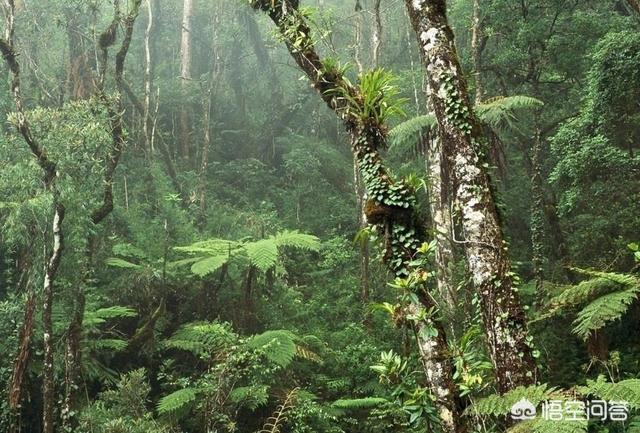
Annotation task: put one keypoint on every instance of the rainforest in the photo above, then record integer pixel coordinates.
(320, 216)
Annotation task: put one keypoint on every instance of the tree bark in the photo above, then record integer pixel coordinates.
(376, 37)
(48, 384)
(24, 352)
(389, 221)
(486, 250)
(537, 214)
(635, 5)
(149, 60)
(185, 75)
(476, 50)
(442, 222)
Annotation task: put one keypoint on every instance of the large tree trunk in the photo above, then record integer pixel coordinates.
(486, 250)
(48, 384)
(80, 83)
(389, 220)
(442, 222)
(185, 75)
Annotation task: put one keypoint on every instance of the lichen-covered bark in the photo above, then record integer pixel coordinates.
(441, 222)
(537, 214)
(391, 203)
(486, 251)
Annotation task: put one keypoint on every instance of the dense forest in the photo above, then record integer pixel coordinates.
(320, 216)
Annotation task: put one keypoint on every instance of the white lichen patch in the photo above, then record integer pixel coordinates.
(429, 39)
(417, 4)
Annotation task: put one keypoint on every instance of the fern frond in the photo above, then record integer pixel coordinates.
(93, 318)
(263, 253)
(359, 403)
(295, 239)
(278, 346)
(201, 338)
(500, 113)
(598, 284)
(407, 134)
(251, 397)
(211, 247)
(541, 425)
(625, 390)
(602, 311)
(498, 405)
(176, 401)
(309, 355)
(208, 265)
(117, 262)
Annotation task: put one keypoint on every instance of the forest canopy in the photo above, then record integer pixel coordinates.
(320, 216)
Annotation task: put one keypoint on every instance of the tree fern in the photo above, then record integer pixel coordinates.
(499, 405)
(201, 338)
(295, 239)
(500, 113)
(263, 254)
(178, 400)
(408, 133)
(251, 397)
(625, 390)
(211, 255)
(608, 296)
(278, 346)
(604, 310)
(208, 265)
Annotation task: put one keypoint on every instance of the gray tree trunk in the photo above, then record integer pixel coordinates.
(486, 250)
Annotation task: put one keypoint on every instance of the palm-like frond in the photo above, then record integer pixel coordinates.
(500, 113)
(406, 134)
(263, 254)
(608, 296)
(625, 390)
(177, 401)
(278, 345)
(201, 338)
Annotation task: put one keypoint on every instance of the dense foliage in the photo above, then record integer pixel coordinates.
(233, 260)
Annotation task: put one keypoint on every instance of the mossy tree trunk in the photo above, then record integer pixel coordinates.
(463, 144)
(391, 203)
